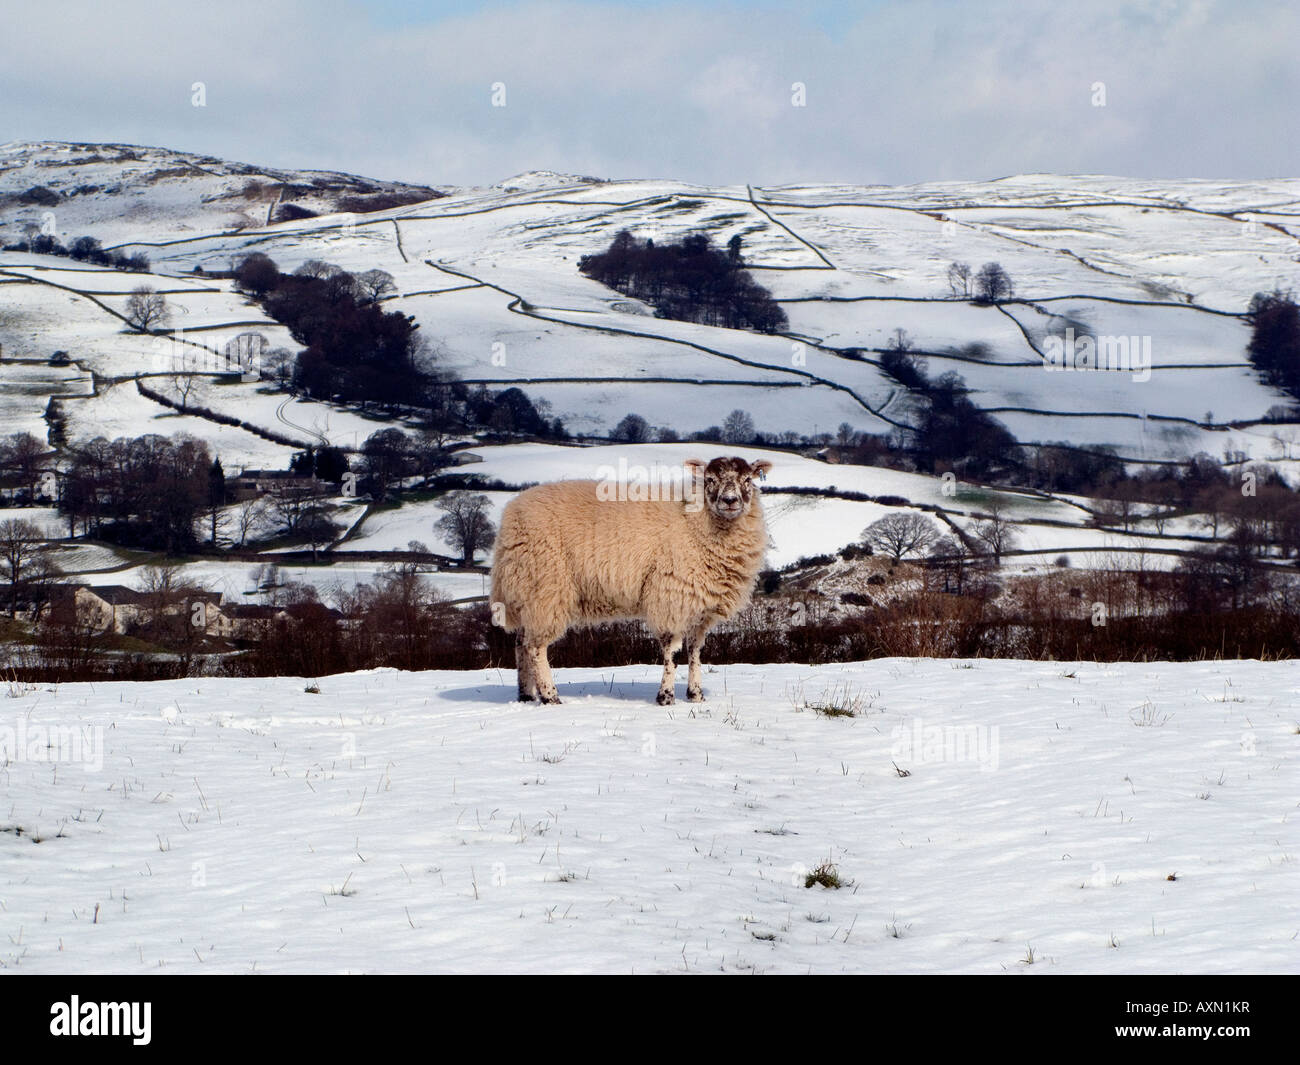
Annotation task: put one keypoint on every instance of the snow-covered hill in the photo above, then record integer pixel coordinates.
(491, 274)
(118, 192)
(1054, 818)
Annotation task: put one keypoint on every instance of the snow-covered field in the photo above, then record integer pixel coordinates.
(491, 276)
(395, 529)
(120, 410)
(1130, 818)
(239, 582)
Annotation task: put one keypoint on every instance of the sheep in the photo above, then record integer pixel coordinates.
(568, 554)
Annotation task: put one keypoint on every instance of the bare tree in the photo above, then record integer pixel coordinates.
(318, 269)
(70, 641)
(992, 283)
(340, 286)
(900, 342)
(959, 277)
(256, 274)
(429, 452)
(184, 379)
(386, 460)
(1106, 513)
(995, 532)
(28, 565)
(277, 365)
(248, 515)
(146, 309)
(1160, 516)
(1213, 505)
(465, 524)
(950, 557)
(899, 535)
(738, 428)
(318, 529)
(25, 458)
(1120, 509)
(268, 578)
(176, 610)
(375, 285)
(633, 429)
(164, 589)
(295, 503)
(160, 583)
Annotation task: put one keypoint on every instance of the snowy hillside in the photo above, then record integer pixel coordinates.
(1054, 818)
(117, 191)
(491, 275)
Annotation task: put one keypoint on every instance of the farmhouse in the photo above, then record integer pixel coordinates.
(119, 609)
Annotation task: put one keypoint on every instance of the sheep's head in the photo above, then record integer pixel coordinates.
(728, 484)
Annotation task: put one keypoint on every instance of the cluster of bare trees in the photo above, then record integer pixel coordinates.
(392, 457)
(146, 491)
(910, 533)
(737, 428)
(24, 469)
(1274, 346)
(692, 281)
(397, 620)
(352, 349)
(990, 284)
(85, 249)
(28, 566)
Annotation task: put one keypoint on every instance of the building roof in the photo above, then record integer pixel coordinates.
(115, 594)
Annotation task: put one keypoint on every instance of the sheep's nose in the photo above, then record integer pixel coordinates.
(729, 499)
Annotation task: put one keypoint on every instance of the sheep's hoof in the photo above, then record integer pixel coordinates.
(694, 695)
(551, 700)
(666, 698)
(524, 697)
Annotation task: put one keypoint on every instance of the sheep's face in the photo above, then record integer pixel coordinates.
(728, 484)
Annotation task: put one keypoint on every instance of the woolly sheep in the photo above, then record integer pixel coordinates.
(568, 554)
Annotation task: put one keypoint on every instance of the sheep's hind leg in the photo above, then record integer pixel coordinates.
(671, 644)
(524, 667)
(540, 670)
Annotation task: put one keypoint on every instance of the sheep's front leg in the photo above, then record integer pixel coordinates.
(694, 672)
(524, 666)
(671, 644)
(540, 671)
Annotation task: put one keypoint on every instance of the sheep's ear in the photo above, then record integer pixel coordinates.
(760, 468)
(695, 467)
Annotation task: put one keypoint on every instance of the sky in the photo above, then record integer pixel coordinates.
(767, 93)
